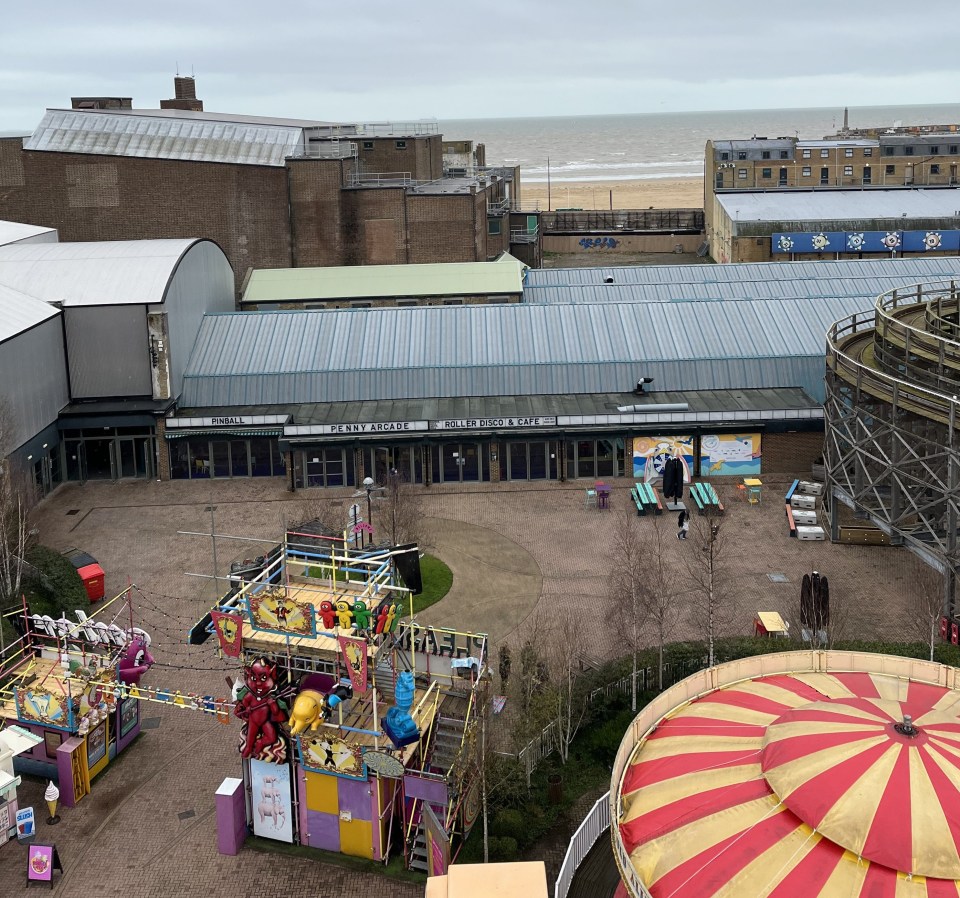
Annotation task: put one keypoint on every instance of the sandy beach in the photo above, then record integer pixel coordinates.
(679, 193)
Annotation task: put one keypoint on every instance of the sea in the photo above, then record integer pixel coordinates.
(648, 146)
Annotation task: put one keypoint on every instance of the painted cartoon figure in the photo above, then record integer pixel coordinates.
(271, 803)
(136, 660)
(259, 708)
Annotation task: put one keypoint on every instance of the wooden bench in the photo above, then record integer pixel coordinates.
(706, 499)
(793, 488)
(791, 523)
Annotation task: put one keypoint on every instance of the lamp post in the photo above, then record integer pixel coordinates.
(368, 486)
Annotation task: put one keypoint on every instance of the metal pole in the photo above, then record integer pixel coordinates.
(549, 207)
(213, 541)
(483, 781)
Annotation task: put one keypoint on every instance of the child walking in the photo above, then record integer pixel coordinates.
(683, 522)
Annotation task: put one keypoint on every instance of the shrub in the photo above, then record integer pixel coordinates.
(510, 822)
(57, 585)
(503, 848)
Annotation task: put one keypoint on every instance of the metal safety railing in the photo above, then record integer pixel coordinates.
(594, 825)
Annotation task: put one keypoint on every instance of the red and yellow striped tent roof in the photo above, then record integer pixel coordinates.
(800, 784)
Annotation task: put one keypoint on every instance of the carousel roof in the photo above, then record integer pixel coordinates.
(812, 784)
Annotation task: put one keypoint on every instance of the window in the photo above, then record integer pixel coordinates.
(401, 144)
(824, 175)
(805, 171)
(453, 302)
(848, 153)
(766, 173)
(848, 169)
(934, 151)
(718, 182)
(890, 169)
(953, 149)
(868, 151)
(493, 224)
(784, 154)
(806, 154)
(934, 169)
(742, 154)
(888, 151)
(368, 144)
(866, 174)
(783, 177)
(908, 150)
(724, 156)
(765, 154)
(406, 302)
(824, 154)
(360, 305)
(741, 173)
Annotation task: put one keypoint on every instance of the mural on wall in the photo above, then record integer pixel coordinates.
(865, 241)
(326, 753)
(276, 612)
(651, 453)
(41, 706)
(270, 796)
(736, 454)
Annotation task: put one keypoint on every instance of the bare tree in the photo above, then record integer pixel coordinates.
(15, 504)
(640, 588)
(568, 702)
(400, 510)
(926, 609)
(707, 579)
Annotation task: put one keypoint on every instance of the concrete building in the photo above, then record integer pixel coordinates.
(867, 160)
(363, 286)
(96, 343)
(272, 192)
(758, 226)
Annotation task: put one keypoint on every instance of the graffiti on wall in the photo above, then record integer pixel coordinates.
(599, 242)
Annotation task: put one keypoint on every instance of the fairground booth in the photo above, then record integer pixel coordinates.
(358, 725)
(73, 685)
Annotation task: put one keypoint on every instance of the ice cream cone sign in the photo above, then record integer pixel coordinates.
(51, 796)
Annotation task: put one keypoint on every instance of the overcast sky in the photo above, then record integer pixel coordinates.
(372, 60)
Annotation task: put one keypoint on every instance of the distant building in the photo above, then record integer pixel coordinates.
(273, 193)
(855, 161)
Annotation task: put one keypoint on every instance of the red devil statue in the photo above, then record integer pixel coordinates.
(259, 709)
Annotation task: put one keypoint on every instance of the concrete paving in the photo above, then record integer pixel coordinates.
(520, 553)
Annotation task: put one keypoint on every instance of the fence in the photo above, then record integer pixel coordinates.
(548, 740)
(577, 221)
(594, 825)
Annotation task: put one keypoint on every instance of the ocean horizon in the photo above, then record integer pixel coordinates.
(659, 145)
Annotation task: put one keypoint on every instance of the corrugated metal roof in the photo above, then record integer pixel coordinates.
(725, 277)
(364, 281)
(118, 272)
(19, 312)
(149, 136)
(841, 205)
(336, 355)
(15, 232)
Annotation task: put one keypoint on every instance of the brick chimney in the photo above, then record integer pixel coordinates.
(185, 95)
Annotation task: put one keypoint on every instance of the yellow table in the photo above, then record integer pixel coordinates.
(753, 489)
(752, 481)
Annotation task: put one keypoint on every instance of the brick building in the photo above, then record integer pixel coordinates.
(868, 161)
(272, 192)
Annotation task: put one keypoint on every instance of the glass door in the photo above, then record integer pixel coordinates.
(470, 462)
(539, 460)
(128, 458)
(220, 456)
(518, 461)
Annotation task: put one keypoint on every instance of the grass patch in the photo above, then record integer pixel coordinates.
(437, 580)
(394, 869)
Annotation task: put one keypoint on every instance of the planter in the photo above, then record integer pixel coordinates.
(555, 788)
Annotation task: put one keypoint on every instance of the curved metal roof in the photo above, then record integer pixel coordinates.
(19, 312)
(356, 354)
(120, 272)
(725, 279)
(194, 138)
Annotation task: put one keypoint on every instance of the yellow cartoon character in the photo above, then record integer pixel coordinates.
(344, 614)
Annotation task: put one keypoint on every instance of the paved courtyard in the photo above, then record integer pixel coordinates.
(519, 552)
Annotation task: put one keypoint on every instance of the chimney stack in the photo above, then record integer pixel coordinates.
(185, 95)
